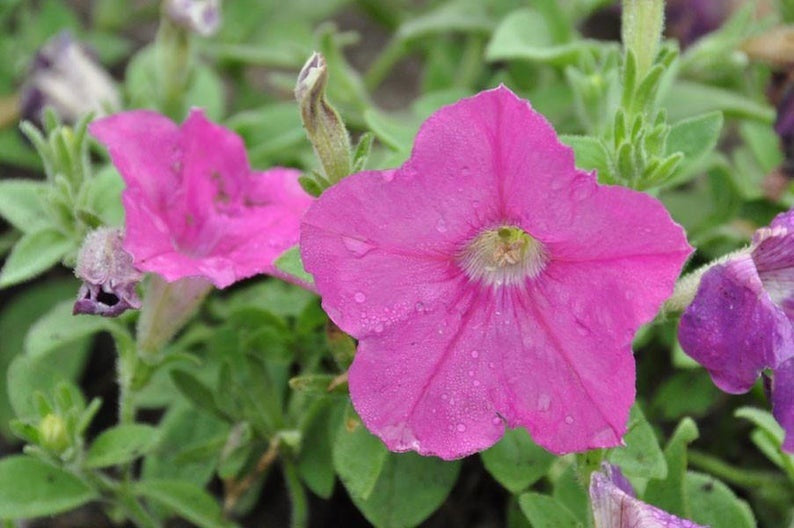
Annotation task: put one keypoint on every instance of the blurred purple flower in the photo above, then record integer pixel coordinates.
(615, 505)
(200, 16)
(109, 278)
(689, 20)
(740, 321)
(67, 78)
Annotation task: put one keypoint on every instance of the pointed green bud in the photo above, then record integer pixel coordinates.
(324, 127)
(53, 435)
(642, 23)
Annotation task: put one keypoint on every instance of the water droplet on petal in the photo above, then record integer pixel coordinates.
(544, 402)
(471, 373)
(441, 226)
(420, 307)
(360, 297)
(388, 175)
(496, 420)
(476, 383)
(356, 246)
(378, 328)
(569, 419)
(475, 354)
(461, 428)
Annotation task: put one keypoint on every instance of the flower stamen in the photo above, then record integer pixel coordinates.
(507, 255)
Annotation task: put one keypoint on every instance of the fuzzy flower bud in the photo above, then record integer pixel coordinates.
(324, 127)
(108, 276)
(67, 78)
(199, 16)
(53, 434)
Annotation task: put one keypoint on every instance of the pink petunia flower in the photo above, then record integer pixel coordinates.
(194, 207)
(615, 505)
(490, 284)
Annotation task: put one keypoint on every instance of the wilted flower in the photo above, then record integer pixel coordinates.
(615, 505)
(740, 321)
(200, 16)
(194, 207)
(65, 77)
(490, 284)
(109, 278)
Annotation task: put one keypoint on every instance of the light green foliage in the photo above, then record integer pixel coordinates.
(516, 462)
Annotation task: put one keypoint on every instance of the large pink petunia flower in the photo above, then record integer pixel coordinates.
(490, 284)
(194, 207)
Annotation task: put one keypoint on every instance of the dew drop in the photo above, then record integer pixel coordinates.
(496, 420)
(544, 402)
(471, 373)
(378, 328)
(569, 419)
(461, 428)
(360, 297)
(357, 247)
(420, 307)
(444, 396)
(475, 354)
(441, 226)
(557, 183)
(582, 190)
(388, 175)
(476, 383)
(491, 365)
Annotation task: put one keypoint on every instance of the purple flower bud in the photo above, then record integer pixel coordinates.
(615, 506)
(200, 16)
(108, 276)
(67, 78)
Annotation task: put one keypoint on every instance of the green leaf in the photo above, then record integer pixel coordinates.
(23, 205)
(185, 499)
(669, 493)
(460, 15)
(763, 420)
(641, 456)
(695, 138)
(32, 488)
(121, 444)
(315, 462)
(197, 392)
(59, 327)
(525, 35)
(358, 457)
(290, 262)
(29, 375)
(516, 462)
(687, 98)
(16, 317)
(33, 254)
(544, 511)
(571, 493)
(590, 155)
(182, 429)
(712, 503)
(409, 488)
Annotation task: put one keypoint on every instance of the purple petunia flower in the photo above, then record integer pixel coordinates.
(194, 207)
(615, 505)
(490, 284)
(740, 321)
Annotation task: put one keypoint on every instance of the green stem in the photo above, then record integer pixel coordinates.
(471, 63)
(300, 508)
(744, 478)
(380, 69)
(174, 67)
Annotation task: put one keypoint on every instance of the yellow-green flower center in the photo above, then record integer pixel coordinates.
(505, 255)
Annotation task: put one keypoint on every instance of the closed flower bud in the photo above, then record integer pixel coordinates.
(108, 276)
(66, 77)
(199, 16)
(324, 127)
(53, 434)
